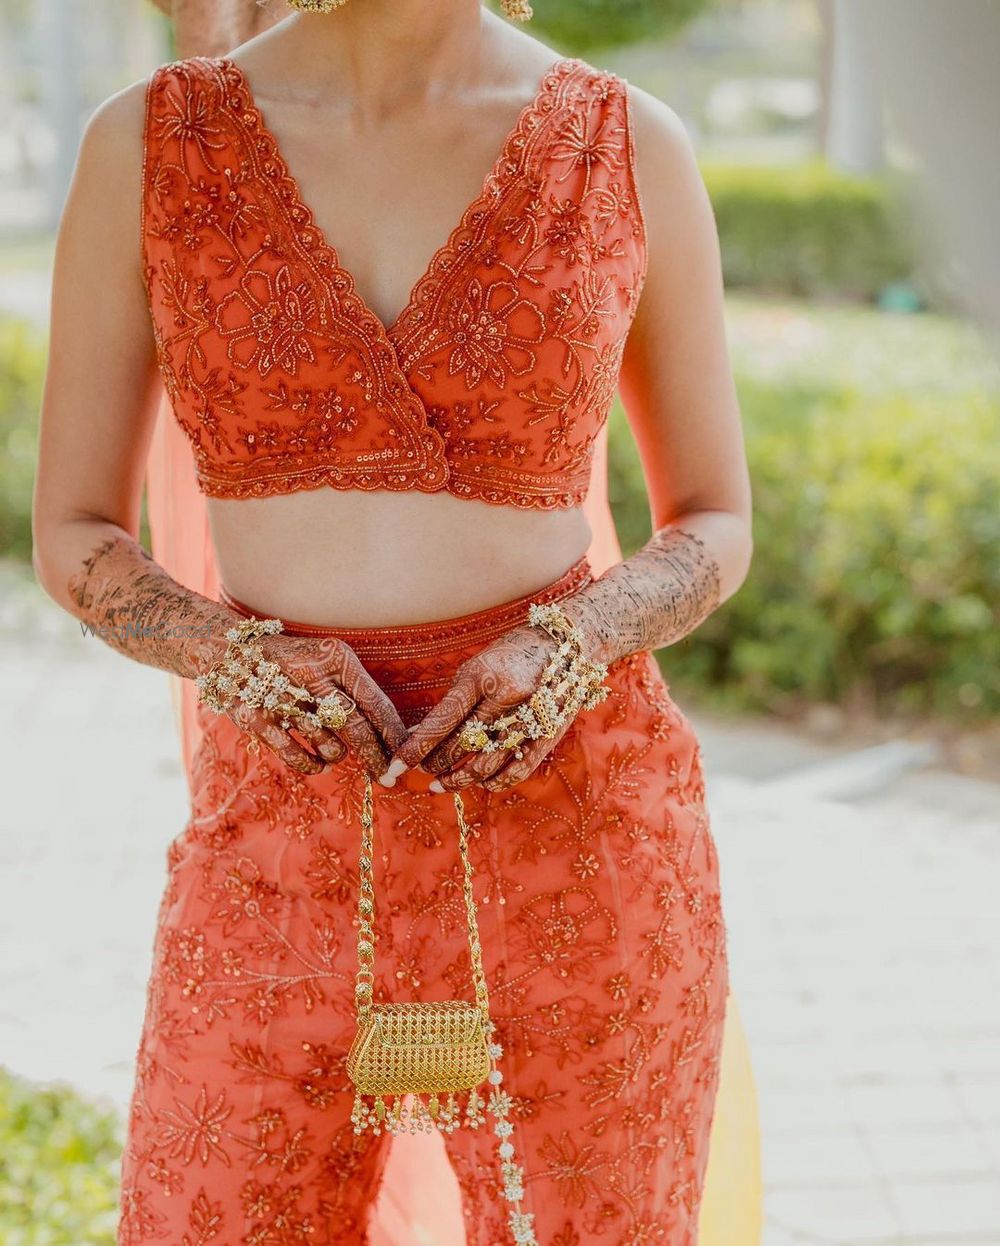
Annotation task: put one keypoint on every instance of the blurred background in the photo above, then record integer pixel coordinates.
(847, 698)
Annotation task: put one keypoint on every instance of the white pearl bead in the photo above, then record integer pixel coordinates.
(495, 1077)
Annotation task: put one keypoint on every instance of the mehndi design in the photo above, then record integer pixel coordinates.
(569, 683)
(654, 598)
(132, 604)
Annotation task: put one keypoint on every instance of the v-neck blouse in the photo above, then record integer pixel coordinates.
(492, 383)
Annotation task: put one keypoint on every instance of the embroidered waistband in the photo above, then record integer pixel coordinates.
(419, 640)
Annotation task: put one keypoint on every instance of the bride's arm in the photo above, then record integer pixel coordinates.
(680, 398)
(678, 391)
(98, 411)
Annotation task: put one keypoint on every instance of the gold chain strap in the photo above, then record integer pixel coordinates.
(365, 978)
(475, 947)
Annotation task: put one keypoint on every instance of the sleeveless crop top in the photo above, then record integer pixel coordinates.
(493, 382)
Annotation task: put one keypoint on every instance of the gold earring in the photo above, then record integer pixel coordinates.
(516, 10)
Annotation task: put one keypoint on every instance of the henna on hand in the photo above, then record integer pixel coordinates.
(495, 680)
(325, 664)
(654, 598)
(131, 603)
(260, 725)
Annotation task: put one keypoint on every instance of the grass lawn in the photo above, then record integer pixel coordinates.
(813, 346)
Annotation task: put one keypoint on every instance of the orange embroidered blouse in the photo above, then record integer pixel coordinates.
(494, 380)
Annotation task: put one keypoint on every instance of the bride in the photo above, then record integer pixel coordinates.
(390, 262)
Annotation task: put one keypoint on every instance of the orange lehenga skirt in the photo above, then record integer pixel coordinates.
(604, 946)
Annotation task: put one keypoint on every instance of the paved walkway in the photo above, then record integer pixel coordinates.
(861, 910)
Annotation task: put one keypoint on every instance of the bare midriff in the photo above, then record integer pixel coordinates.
(383, 559)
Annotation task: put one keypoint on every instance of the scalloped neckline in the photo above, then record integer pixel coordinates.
(506, 163)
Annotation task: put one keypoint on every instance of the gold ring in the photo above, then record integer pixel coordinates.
(473, 737)
(335, 709)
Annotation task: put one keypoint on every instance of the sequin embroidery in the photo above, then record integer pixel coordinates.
(492, 383)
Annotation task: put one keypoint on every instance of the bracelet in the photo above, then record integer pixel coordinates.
(245, 674)
(570, 682)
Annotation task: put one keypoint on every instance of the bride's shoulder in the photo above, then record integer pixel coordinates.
(120, 118)
(661, 148)
(656, 124)
(112, 136)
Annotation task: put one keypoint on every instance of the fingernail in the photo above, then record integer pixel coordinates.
(435, 786)
(386, 781)
(396, 768)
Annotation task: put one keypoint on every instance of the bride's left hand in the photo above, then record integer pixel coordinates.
(496, 679)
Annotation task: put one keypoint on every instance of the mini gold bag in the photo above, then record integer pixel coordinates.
(431, 1051)
(427, 1049)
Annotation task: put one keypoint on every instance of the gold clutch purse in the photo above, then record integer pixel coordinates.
(428, 1049)
(411, 1062)
(433, 1052)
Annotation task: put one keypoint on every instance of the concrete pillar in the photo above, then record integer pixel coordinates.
(854, 132)
(59, 56)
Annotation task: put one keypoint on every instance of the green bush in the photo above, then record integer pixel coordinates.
(22, 373)
(875, 574)
(22, 362)
(59, 1167)
(808, 230)
(582, 26)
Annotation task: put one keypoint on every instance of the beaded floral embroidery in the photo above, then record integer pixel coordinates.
(494, 380)
(604, 947)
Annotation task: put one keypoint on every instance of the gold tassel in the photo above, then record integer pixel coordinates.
(423, 1114)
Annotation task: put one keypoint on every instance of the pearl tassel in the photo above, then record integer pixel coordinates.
(396, 1115)
(500, 1103)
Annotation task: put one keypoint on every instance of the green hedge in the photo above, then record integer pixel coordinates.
(22, 364)
(59, 1166)
(582, 26)
(874, 578)
(809, 230)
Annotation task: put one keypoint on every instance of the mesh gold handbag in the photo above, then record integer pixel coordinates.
(411, 1062)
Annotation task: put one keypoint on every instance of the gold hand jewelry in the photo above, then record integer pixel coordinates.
(570, 682)
(474, 737)
(333, 710)
(244, 674)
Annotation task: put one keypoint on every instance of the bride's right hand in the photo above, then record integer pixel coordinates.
(324, 664)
